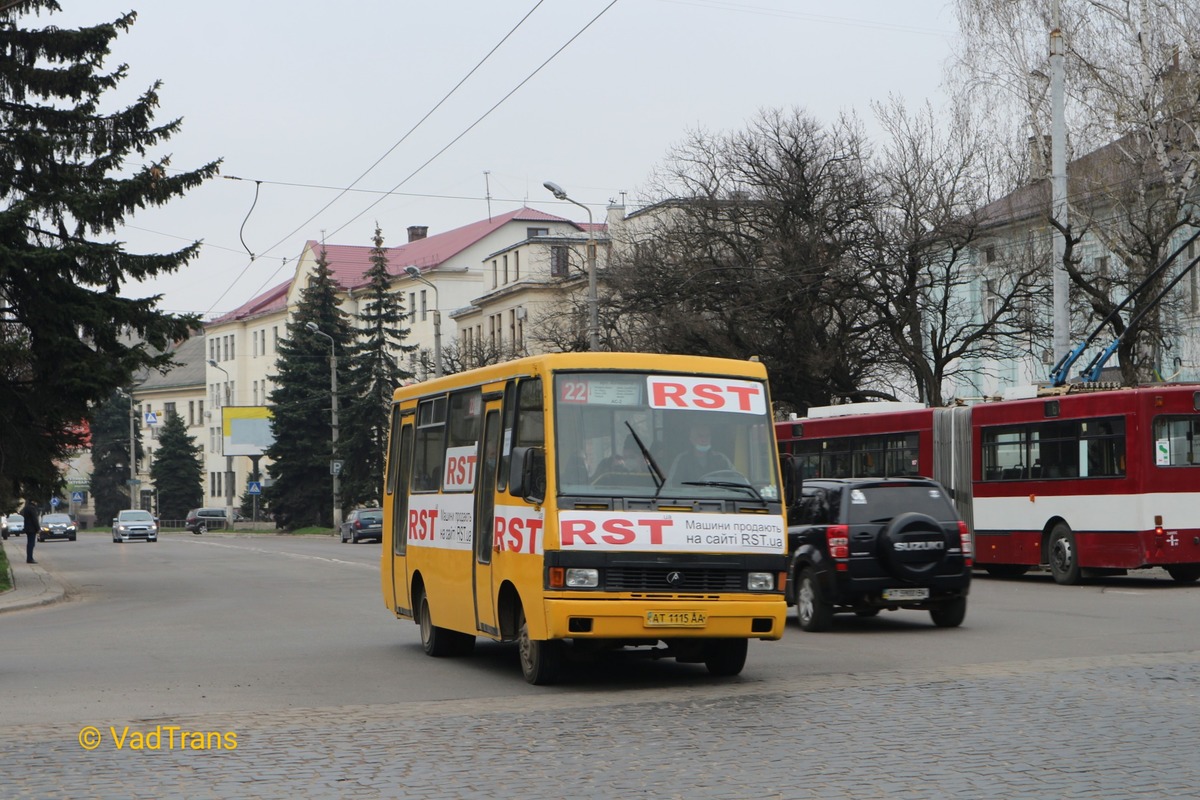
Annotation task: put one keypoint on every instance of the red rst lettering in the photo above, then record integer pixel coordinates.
(618, 531)
(674, 391)
(707, 396)
(532, 527)
(568, 530)
(744, 393)
(656, 527)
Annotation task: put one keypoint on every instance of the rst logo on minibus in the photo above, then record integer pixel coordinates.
(706, 394)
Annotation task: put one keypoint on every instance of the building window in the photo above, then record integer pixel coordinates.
(424, 307)
(558, 261)
(412, 306)
(517, 265)
(200, 413)
(168, 409)
(275, 338)
(989, 254)
(191, 413)
(533, 233)
(494, 274)
(505, 260)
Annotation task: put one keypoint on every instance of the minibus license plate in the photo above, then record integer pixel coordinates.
(676, 619)
(906, 594)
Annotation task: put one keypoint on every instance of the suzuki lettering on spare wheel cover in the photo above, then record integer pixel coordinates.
(913, 544)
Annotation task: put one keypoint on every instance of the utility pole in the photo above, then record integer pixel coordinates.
(1058, 186)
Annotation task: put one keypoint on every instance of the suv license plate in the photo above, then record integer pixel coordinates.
(676, 619)
(906, 594)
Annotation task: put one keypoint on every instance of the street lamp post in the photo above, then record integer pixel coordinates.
(416, 275)
(593, 304)
(229, 474)
(333, 466)
(133, 478)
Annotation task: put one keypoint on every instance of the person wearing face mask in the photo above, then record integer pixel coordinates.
(699, 459)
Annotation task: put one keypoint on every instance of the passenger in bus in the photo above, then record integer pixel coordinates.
(699, 459)
(629, 459)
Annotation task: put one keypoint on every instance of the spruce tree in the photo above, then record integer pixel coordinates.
(70, 175)
(374, 373)
(301, 494)
(110, 458)
(177, 471)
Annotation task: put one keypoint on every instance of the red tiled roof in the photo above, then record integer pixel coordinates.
(273, 299)
(349, 263)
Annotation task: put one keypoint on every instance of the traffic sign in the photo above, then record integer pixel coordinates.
(335, 467)
(77, 497)
(253, 487)
(151, 418)
(54, 502)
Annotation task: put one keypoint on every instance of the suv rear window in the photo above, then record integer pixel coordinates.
(881, 503)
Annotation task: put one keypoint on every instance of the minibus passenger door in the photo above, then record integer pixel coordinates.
(485, 527)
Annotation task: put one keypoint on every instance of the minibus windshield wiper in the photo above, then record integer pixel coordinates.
(729, 485)
(655, 472)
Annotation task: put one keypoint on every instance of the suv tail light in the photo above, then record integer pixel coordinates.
(964, 536)
(838, 538)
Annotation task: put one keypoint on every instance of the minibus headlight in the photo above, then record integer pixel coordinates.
(760, 581)
(578, 578)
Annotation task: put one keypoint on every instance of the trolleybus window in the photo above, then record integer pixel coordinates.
(1080, 448)
(1175, 441)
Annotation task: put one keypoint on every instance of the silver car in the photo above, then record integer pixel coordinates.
(134, 523)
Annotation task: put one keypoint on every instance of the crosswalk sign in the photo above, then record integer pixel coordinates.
(77, 497)
(253, 487)
(151, 418)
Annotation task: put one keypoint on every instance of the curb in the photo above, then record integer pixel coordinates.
(32, 585)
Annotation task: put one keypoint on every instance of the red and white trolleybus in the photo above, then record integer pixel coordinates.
(1077, 478)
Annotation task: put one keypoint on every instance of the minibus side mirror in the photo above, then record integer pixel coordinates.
(527, 474)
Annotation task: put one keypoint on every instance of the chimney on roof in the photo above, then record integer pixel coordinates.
(416, 232)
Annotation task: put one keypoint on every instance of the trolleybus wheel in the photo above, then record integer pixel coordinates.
(541, 660)
(1184, 573)
(1064, 558)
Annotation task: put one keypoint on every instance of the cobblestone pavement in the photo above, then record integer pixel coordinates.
(1119, 727)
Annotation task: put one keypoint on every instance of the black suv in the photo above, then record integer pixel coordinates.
(865, 544)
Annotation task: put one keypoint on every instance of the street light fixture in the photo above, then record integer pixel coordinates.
(416, 275)
(593, 304)
(229, 474)
(333, 465)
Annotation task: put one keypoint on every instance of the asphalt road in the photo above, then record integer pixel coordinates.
(1046, 691)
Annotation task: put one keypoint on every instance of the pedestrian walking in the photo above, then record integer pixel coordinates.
(33, 524)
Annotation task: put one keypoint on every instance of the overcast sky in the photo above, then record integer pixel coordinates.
(307, 96)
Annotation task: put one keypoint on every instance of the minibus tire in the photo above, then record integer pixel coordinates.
(541, 659)
(438, 642)
(726, 657)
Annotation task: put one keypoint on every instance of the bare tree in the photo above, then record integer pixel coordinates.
(943, 314)
(751, 252)
(1133, 84)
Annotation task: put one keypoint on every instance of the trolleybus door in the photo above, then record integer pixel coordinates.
(485, 528)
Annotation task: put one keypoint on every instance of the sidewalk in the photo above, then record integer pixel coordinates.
(32, 584)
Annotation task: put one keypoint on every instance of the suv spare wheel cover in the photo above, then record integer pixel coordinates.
(912, 545)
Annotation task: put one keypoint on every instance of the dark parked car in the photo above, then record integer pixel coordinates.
(200, 520)
(862, 545)
(57, 526)
(363, 523)
(134, 523)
